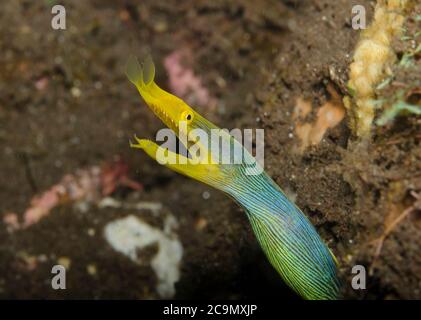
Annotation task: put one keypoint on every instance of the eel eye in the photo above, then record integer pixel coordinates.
(187, 116)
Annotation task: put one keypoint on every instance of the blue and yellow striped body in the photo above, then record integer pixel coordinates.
(289, 240)
(287, 237)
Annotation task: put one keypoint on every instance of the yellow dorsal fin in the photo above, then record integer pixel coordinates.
(334, 258)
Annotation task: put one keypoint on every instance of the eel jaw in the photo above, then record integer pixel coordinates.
(177, 116)
(206, 173)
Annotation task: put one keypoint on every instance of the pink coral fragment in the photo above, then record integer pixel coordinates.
(90, 185)
(184, 83)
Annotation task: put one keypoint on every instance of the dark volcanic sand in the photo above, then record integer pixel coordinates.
(268, 53)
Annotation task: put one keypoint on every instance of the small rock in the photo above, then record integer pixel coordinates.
(91, 269)
(76, 92)
(161, 26)
(201, 224)
(65, 262)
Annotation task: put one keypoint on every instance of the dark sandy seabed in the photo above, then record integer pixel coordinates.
(267, 54)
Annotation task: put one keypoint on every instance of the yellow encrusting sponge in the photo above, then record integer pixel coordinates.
(372, 62)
